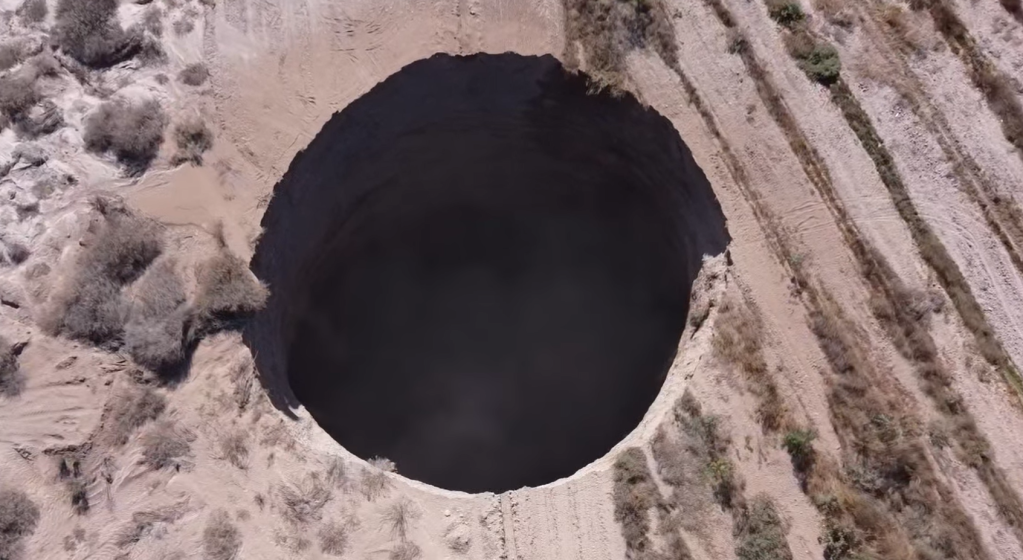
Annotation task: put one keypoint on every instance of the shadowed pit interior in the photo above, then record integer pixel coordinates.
(480, 270)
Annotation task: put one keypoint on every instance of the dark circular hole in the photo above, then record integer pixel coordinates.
(480, 270)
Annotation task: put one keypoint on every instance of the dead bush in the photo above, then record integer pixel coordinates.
(333, 538)
(635, 493)
(303, 504)
(607, 31)
(164, 446)
(33, 11)
(158, 321)
(399, 516)
(234, 447)
(89, 306)
(759, 532)
(193, 138)
(194, 74)
(221, 540)
(131, 131)
(88, 31)
(10, 375)
(19, 517)
(227, 293)
(129, 410)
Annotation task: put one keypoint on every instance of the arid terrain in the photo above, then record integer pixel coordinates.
(847, 384)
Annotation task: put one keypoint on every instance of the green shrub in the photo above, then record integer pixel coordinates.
(786, 13)
(822, 64)
(799, 444)
(759, 532)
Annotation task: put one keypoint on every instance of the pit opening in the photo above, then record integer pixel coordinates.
(481, 270)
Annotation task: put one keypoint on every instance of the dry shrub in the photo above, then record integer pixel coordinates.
(227, 293)
(11, 54)
(129, 410)
(399, 516)
(19, 517)
(739, 340)
(131, 131)
(164, 445)
(17, 95)
(635, 493)
(193, 138)
(90, 307)
(88, 31)
(374, 481)
(194, 74)
(760, 534)
(333, 538)
(12, 252)
(33, 11)
(304, 503)
(606, 31)
(183, 26)
(152, 20)
(337, 474)
(154, 335)
(36, 122)
(836, 12)
(696, 457)
(10, 374)
(234, 447)
(405, 551)
(221, 540)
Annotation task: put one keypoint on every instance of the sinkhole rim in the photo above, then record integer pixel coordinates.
(362, 123)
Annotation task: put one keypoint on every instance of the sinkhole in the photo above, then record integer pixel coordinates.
(481, 269)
